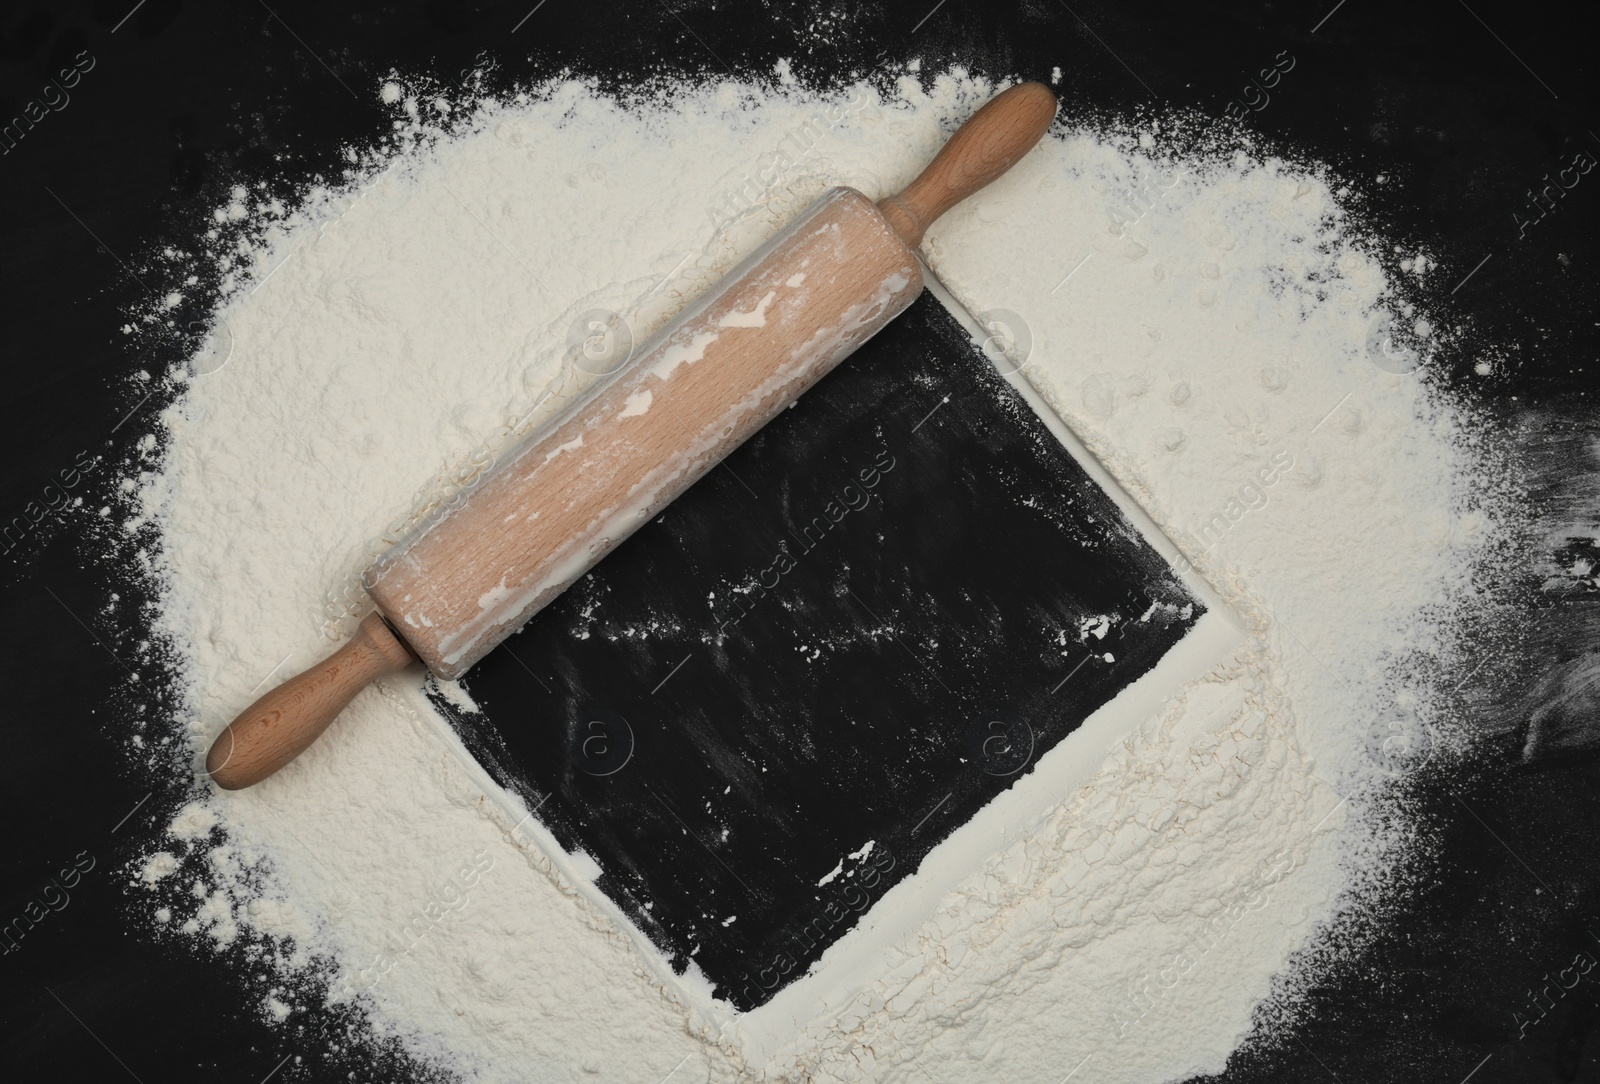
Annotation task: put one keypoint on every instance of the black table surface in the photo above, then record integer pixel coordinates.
(1464, 111)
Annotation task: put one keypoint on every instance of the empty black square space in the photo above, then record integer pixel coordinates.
(868, 621)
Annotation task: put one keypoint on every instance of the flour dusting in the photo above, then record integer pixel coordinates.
(1215, 323)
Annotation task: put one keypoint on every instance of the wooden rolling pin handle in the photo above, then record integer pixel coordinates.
(983, 148)
(279, 726)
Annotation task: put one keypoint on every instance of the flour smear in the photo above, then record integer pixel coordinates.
(1223, 328)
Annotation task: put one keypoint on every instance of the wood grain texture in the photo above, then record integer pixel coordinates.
(537, 521)
(991, 142)
(279, 726)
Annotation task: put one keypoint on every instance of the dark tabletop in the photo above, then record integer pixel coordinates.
(1467, 112)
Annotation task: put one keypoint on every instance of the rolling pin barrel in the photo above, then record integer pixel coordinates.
(558, 502)
(536, 522)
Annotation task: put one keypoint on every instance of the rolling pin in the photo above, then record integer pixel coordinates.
(471, 574)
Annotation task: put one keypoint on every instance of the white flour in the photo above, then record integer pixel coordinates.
(1206, 334)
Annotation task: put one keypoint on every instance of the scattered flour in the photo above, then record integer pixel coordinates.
(157, 866)
(638, 403)
(194, 821)
(1203, 318)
